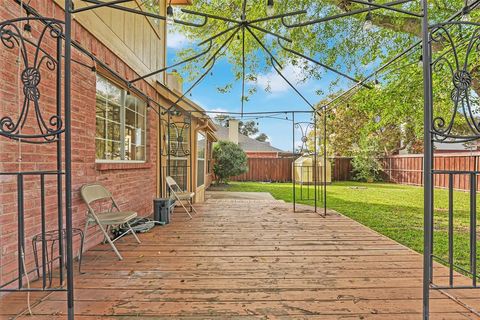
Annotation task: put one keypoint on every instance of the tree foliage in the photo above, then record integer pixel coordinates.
(365, 162)
(392, 112)
(386, 113)
(339, 43)
(229, 161)
(248, 128)
(262, 137)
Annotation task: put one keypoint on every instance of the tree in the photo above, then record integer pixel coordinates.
(393, 111)
(247, 128)
(339, 43)
(379, 114)
(366, 165)
(229, 161)
(262, 137)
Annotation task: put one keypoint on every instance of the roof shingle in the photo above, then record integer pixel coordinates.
(246, 143)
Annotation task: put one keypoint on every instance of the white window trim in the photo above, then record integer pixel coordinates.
(122, 129)
(204, 135)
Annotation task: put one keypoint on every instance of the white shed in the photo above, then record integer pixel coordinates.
(303, 170)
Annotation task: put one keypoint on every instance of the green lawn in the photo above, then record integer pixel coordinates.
(395, 211)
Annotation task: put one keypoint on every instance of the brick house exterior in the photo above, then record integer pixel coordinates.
(133, 184)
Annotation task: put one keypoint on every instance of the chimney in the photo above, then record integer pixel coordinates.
(175, 81)
(233, 131)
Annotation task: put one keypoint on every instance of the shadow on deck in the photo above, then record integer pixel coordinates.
(251, 259)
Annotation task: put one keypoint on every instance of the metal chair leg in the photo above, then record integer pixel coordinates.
(35, 255)
(133, 232)
(80, 254)
(192, 207)
(50, 262)
(84, 238)
(110, 242)
(186, 210)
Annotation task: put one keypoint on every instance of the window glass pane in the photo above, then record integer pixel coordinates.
(130, 143)
(179, 171)
(100, 131)
(139, 137)
(130, 136)
(101, 107)
(120, 123)
(130, 102)
(201, 144)
(114, 93)
(102, 86)
(140, 122)
(129, 118)
(112, 151)
(140, 153)
(113, 131)
(100, 148)
(114, 112)
(141, 108)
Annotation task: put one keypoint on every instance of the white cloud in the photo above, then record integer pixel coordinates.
(213, 112)
(176, 40)
(277, 84)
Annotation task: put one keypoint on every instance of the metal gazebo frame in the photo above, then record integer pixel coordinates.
(61, 125)
(309, 146)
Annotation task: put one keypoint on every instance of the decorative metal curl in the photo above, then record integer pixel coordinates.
(454, 60)
(32, 58)
(164, 137)
(305, 129)
(177, 148)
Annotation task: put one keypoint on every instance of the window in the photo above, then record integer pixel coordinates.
(179, 172)
(121, 124)
(201, 144)
(178, 147)
(209, 157)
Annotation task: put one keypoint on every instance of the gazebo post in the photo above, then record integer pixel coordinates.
(427, 160)
(68, 157)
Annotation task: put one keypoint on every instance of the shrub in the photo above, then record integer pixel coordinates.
(366, 166)
(229, 161)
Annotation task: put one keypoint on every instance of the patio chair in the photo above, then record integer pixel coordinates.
(179, 195)
(105, 220)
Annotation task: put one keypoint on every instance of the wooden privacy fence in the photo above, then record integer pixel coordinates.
(267, 170)
(408, 169)
(342, 169)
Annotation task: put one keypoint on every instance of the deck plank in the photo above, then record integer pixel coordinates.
(246, 259)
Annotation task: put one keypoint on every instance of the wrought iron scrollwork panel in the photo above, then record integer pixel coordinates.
(34, 62)
(455, 72)
(306, 129)
(179, 147)
(176, 135)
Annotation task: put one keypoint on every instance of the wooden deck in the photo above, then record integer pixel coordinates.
(244, 259)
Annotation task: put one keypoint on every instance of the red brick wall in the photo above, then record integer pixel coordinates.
(133, 186)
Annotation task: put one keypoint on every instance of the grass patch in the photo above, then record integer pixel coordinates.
(395, 211)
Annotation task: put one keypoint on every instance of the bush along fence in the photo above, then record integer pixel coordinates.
(408, 169)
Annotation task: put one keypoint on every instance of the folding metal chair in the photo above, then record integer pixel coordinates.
(178, 194)
(96, 192)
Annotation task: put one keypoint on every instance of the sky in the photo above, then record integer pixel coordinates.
(280, 97)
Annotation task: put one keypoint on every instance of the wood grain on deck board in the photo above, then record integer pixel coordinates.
(247, 259)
